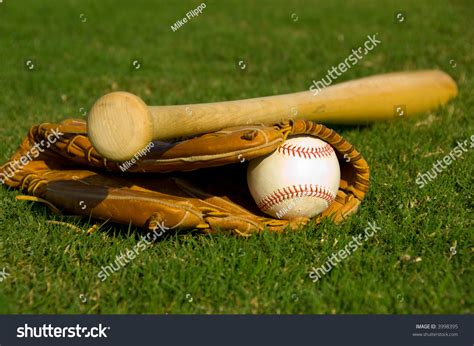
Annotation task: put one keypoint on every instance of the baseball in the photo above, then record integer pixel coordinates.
(300, 178)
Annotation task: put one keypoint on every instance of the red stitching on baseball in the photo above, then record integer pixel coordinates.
(305, 152)
(288, 192)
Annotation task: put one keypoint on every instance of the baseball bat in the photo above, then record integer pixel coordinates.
(120, 124)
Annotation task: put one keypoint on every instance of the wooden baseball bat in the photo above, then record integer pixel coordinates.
(120, 124)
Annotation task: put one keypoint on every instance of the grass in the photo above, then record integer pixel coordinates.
(53, 269)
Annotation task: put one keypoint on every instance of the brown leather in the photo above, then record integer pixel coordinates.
(194, 183)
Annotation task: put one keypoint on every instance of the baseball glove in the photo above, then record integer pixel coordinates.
(197, 183)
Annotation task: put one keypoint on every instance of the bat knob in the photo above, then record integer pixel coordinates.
(119, 125)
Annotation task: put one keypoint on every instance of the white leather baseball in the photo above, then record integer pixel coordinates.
(300, 178)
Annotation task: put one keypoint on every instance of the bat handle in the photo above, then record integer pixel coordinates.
(365, 100)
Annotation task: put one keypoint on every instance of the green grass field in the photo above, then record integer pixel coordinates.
(57, 57)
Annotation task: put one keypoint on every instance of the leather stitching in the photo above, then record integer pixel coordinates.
(306, 190)
(305, 152)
